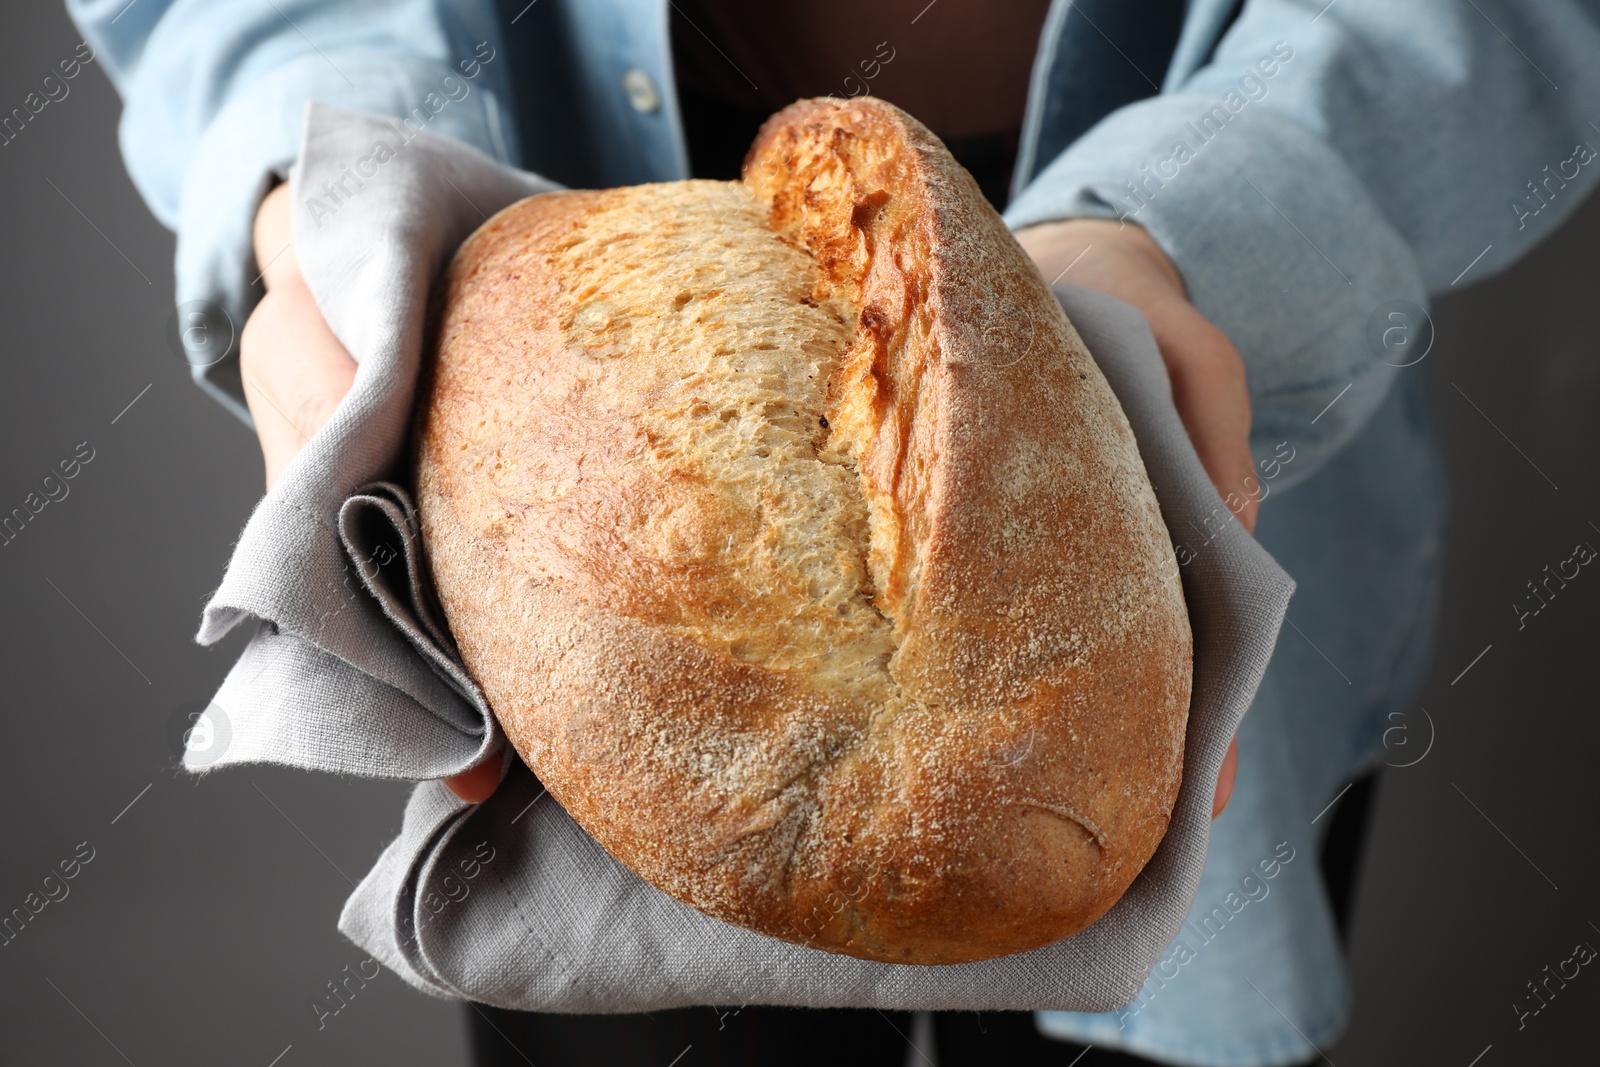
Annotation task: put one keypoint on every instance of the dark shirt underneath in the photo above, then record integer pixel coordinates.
(959, 66)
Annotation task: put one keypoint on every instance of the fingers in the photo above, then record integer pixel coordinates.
(1118, 258)
(295, 371)
(478, 784)
(1212, 396)
(1230, 770)
(272, 238)
(1209, 387)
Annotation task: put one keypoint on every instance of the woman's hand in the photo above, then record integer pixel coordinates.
(1208, 377)
(295, 370)
(295, 373)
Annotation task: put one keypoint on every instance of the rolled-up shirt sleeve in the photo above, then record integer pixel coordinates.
(214, 95)
(1331, 166)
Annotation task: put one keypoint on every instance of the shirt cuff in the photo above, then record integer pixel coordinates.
(1279, 244)
(256, 136)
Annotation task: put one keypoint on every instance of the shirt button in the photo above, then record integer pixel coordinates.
(641, 91)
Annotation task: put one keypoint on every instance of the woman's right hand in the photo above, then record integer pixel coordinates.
(295, 370)
(295, 373)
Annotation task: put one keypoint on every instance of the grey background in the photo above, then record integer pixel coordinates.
(204, 925)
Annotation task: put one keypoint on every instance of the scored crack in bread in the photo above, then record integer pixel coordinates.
(802, 550)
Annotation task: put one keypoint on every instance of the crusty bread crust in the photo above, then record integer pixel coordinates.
(802, 550)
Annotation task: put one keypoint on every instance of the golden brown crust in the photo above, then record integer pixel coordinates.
(802, 550)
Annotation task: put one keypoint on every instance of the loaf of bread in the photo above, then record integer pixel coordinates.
(802, 550)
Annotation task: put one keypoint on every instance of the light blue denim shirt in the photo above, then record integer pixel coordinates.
(1309, 166)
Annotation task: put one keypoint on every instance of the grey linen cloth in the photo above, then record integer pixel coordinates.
(352, 669)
